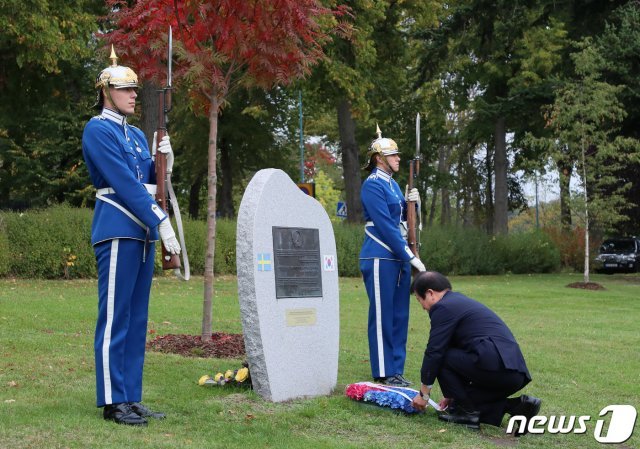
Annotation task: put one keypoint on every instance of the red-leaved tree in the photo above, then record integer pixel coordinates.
(220, 45)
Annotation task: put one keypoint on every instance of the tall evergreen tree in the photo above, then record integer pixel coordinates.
(46, 74)
(585, 118)
(496, 56)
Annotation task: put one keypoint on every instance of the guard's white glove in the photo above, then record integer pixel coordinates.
(417, 264)
(168, 237)
(413, 195)
(165, 148)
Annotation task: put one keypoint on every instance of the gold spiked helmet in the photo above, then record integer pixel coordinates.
(116, 76)
(382, 146)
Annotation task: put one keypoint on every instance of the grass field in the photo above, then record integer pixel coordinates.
(582, 348)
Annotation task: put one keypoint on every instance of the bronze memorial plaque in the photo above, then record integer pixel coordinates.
(297, 262)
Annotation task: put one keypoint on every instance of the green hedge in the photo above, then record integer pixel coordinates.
(195, 234)
(51, 243)
(531, 252)
(5, 265)
(349, 240)
(54, 243)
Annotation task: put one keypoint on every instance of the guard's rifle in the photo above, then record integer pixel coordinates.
(413, 216)
(164, 190)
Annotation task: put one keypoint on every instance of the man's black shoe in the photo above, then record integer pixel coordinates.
(403, 379)
(123, 414)
(144, 412)
(469, 419)
(392, 381)
(528, 407)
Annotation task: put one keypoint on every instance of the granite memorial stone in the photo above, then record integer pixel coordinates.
(288, 289)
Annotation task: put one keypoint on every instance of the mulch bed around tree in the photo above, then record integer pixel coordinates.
(221, 345)
(587, 285)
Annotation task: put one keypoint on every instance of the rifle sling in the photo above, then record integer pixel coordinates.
(176, 212)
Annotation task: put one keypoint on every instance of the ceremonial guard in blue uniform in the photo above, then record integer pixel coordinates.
(385, 262)
(126, 223)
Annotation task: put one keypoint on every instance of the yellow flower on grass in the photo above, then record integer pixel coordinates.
(203, 379)
(242, 374)
(228, 375)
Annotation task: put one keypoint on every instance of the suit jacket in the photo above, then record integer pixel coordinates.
(463, 323)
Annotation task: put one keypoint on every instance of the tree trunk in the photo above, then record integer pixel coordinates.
(148, 98)
(432, 208)
(443, 168)
(586, 215)
(489, 192)
(350, 161)
(194, 197)
(226, 189)
(565, 171)
(501, 211)
(212, 180)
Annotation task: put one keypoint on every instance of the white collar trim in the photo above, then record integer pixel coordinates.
(114, 116)
(383, 174)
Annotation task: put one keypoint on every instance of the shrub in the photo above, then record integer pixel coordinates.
(5, 256)
(225, 256)
(529, 252)
(463, 251)
(349, 238)
(55, 243)
(438, 249)
(50, 243)
(195, 236)
(570, 244)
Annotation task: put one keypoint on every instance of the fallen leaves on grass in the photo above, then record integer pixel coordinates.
(221, 345)
(587, 285)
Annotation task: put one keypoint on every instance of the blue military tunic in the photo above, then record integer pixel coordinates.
(386, 272)
(125, 220)
(118, 158)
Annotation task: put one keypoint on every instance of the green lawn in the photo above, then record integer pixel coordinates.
(582, 348)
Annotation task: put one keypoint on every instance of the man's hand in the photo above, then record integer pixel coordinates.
(418, 403)
(444, 403)
(417, 264)
(168, 237)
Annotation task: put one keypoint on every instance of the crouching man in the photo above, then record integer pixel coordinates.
(473, 355)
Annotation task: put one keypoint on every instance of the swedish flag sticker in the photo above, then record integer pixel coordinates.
(264, 262)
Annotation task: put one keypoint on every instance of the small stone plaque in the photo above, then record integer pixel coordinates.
(297, 262)
(301, 317)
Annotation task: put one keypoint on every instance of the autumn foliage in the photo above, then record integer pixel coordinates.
(223, 43)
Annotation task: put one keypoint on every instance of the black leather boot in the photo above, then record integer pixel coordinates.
(527, 406)
(122, 414)
(471, 419)
(144, 412)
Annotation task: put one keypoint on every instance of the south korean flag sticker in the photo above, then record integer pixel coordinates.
(329, 262)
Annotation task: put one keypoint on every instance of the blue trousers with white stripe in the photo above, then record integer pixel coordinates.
(124, 282)
(387, 283)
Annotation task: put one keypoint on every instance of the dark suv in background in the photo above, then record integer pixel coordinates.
(619, 254)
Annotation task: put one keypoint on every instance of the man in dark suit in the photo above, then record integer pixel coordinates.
(473, 355)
